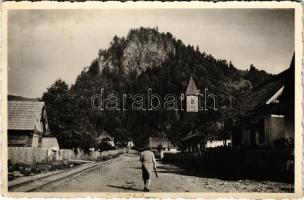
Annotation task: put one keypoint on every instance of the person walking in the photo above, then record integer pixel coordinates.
(148, 161)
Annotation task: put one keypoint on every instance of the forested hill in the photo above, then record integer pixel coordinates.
(144, 59)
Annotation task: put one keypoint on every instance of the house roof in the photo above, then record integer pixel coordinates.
(268, 89)
(190, 137)
(24, 115)
(191, 88)
(105, 135)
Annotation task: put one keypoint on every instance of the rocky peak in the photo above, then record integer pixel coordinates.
(143, 48)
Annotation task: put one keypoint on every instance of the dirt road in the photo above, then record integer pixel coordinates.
(125, 176)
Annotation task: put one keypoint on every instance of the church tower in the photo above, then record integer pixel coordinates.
(191, 96)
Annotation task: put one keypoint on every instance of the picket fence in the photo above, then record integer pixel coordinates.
(68, 154)
(40, 155)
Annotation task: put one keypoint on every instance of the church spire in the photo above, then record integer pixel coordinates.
(192, 98)
(191, 88)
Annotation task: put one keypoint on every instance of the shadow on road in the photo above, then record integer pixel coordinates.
(219, 173)
(173, 170)
(136, 167)
(125, 188)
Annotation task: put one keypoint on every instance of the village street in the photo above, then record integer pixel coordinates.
(124, 175)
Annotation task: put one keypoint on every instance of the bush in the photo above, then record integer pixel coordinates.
(105, 146)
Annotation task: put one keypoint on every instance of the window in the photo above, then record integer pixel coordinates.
(192, 103)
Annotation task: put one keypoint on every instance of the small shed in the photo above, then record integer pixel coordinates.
(27, 123)
(192, 142)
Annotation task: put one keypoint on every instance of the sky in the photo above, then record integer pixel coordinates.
(45, 45)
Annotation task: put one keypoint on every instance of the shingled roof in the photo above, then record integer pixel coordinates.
(24, 115)
(191, 136)
(191, 88)
(265, 91)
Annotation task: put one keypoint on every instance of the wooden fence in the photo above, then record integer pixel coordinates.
(68, 154)
(28, 154)
(40, 155)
